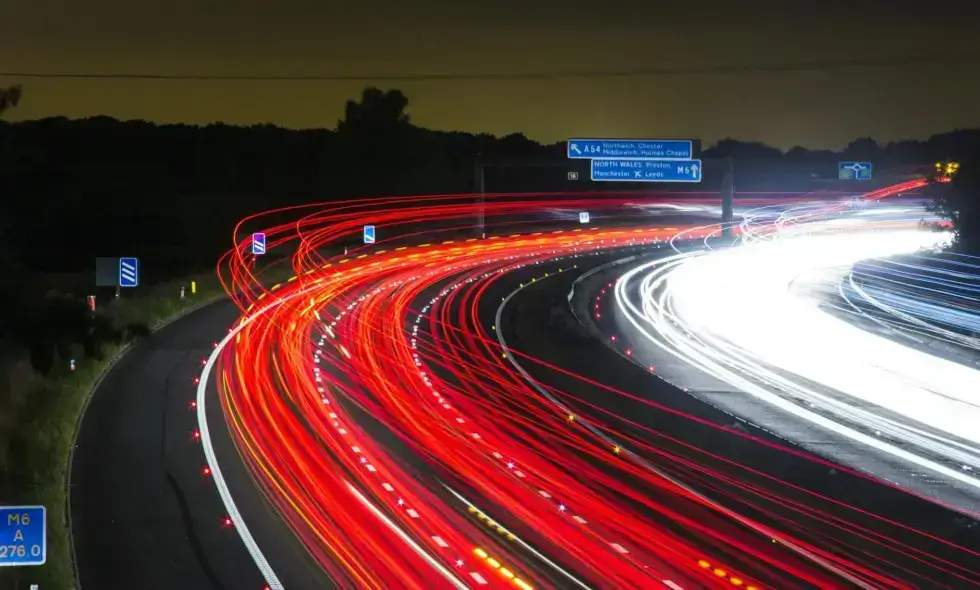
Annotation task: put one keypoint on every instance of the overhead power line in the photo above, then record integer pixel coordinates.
(808, 66)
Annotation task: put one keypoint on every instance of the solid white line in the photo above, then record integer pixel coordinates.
(224, 491)
(219, 480)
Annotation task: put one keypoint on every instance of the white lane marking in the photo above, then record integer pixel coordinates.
(479, 579)
(408, 540)
(216, 476)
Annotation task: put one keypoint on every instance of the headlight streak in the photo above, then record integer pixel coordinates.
(394, 333)
(691, 321)
(765, 531)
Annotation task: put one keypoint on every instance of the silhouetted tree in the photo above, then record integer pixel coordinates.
(9, 98)
(376, 109)
(171, 194)
(960, 202)
(863, 149)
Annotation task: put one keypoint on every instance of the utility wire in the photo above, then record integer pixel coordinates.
(807, 66)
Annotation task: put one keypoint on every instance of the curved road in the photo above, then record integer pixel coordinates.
(539, 314)
(144, 514)
(147, 516)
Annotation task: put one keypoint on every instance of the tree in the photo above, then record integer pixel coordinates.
(959, 201)
(9, 98)
(376, 135)
(863, 149)
(378, 109)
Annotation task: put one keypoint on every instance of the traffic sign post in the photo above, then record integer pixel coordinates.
(583, 217)
(854, 171)
(369, 236)
(659, 149)
(129, 272)
(23, 535)
(620, 170)
(258, 244)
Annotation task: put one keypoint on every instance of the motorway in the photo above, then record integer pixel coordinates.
(844, 389)
(143, 516)
(144, 512)
(432, 416)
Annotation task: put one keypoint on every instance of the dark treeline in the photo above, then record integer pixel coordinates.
(76, 189)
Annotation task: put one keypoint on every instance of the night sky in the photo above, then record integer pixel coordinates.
(320, 37)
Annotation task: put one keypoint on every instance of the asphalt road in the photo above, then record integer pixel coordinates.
(539, 317)
(144, 514)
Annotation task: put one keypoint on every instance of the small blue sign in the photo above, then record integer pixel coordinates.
(854, 171)
(368, 234)
(258, 244)
(583, 217)
(129, 272)
(23, 535)
(657, 149)
(646, 170)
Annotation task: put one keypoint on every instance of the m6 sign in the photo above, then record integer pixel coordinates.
(23, 535)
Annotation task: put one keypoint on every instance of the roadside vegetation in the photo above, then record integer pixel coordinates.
(42, 398)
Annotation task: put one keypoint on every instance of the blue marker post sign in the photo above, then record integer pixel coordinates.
(369, 236)
(258, 244)
(854, 171)
(657, 149)
(129, 272)
(23, 535)
(615, 170)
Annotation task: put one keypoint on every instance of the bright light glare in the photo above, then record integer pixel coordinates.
(739, 310)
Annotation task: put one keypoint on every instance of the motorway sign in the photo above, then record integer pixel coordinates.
(129, 272)
(573, 175)
(369, 234)
(583, 217)
(854, 171)
(258, 244)
(660, 149)
(23, 535)
(613, 170)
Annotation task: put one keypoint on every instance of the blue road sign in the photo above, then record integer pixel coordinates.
(646, 170)
(258, 244)
(23, 535)
(583, 217)
(854, 171)
(129, 272)
(660, 149)
(368, 234)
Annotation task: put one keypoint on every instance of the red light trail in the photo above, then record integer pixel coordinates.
(380, 417)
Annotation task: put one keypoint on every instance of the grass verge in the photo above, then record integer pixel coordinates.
(47, 423)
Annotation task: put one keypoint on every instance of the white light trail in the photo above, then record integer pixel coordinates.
(737, 315)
